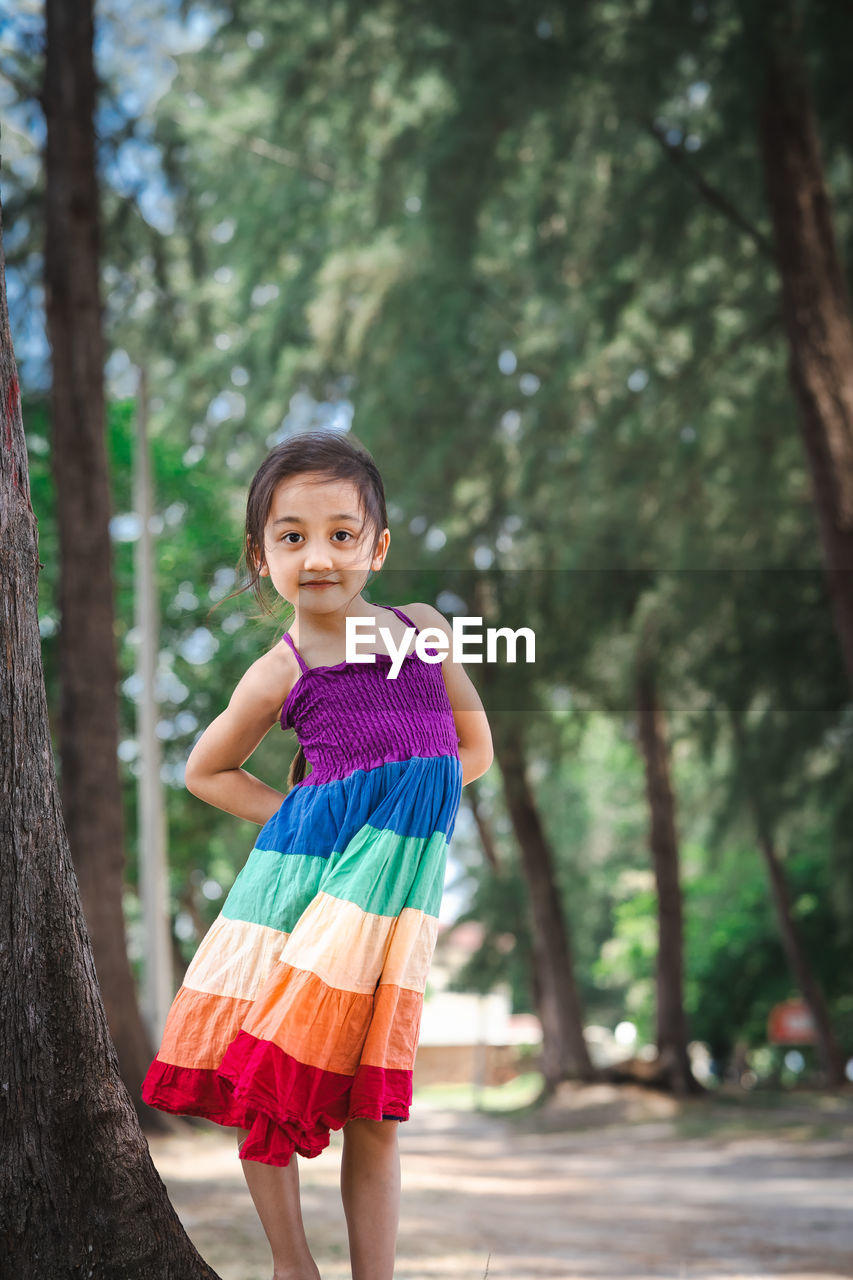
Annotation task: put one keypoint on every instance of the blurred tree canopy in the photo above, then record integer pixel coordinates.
(527, 258)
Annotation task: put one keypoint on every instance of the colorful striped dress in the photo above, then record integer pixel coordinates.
(301, 1009)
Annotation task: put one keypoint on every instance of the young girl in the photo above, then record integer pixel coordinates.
(300, 1012)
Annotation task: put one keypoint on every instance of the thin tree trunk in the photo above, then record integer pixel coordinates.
(828, 1048)
(88, 719)
(673, 1061)
(79, 1195)
(484, 827)
(815, 303)
(565, 1055)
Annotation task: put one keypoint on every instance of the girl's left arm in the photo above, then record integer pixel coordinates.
(472, 727)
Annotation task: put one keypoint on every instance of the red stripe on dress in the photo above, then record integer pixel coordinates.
(286, 1105)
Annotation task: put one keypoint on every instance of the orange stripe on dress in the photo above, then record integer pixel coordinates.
(200, 1028)
(334, 1030)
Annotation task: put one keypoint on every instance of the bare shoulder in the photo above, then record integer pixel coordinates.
(426, 615)
(270, 678)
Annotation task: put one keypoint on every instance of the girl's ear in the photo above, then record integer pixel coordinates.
(381, 550)
(256, 562)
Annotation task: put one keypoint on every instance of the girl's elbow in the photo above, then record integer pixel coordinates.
(474, 763)
(484, 751)
(191, 782)
(194, 778)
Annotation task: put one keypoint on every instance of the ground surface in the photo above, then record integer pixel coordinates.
(602, 1185)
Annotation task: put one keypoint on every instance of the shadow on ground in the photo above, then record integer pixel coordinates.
(602, 1183)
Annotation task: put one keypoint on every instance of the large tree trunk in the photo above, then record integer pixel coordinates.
(88, 719)
(815, 304)
(79, 1195)
(673, 1061)
(828, 1048)
(564, 1050)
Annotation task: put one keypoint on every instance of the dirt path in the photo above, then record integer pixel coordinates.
(622, 1200)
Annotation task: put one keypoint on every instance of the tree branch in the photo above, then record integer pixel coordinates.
(710, 194)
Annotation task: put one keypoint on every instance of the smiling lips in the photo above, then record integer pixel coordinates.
(319, 582)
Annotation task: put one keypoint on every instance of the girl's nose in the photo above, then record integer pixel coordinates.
(317, 558)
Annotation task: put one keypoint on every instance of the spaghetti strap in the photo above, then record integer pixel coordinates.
(404, 616)
(302, 663)
(287, 636)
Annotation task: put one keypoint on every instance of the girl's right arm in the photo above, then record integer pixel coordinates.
(213, 771)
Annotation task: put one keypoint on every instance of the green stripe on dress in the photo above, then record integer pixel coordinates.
(379, 871)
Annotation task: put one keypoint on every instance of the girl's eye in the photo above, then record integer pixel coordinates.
(293, 534)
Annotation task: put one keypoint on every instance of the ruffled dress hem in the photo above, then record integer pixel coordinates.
(242, 1093)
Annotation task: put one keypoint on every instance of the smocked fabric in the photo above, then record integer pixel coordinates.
(369, 718)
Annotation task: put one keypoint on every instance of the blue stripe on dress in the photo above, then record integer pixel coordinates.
(413, 798)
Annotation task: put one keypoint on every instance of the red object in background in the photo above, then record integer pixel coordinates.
(790, 1023)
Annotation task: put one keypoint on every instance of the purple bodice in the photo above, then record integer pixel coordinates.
(353, 716)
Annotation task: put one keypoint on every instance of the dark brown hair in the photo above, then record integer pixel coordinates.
(324, 454)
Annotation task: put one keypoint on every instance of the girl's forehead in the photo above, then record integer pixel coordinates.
(313, 497)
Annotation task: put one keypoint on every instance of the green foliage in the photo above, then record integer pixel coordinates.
(528, 254)
(499, 904)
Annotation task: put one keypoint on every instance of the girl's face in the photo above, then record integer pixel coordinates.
(315, 532)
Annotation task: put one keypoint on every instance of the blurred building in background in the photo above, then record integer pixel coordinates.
(467, 1037)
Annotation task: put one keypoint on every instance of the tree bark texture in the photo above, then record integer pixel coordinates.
(565, 1055)
(815, 306)
(79, 1195)
(672, 1033)
(88, 666)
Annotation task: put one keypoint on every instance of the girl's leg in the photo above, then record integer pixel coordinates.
(275, 1192)
(370, 1190)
